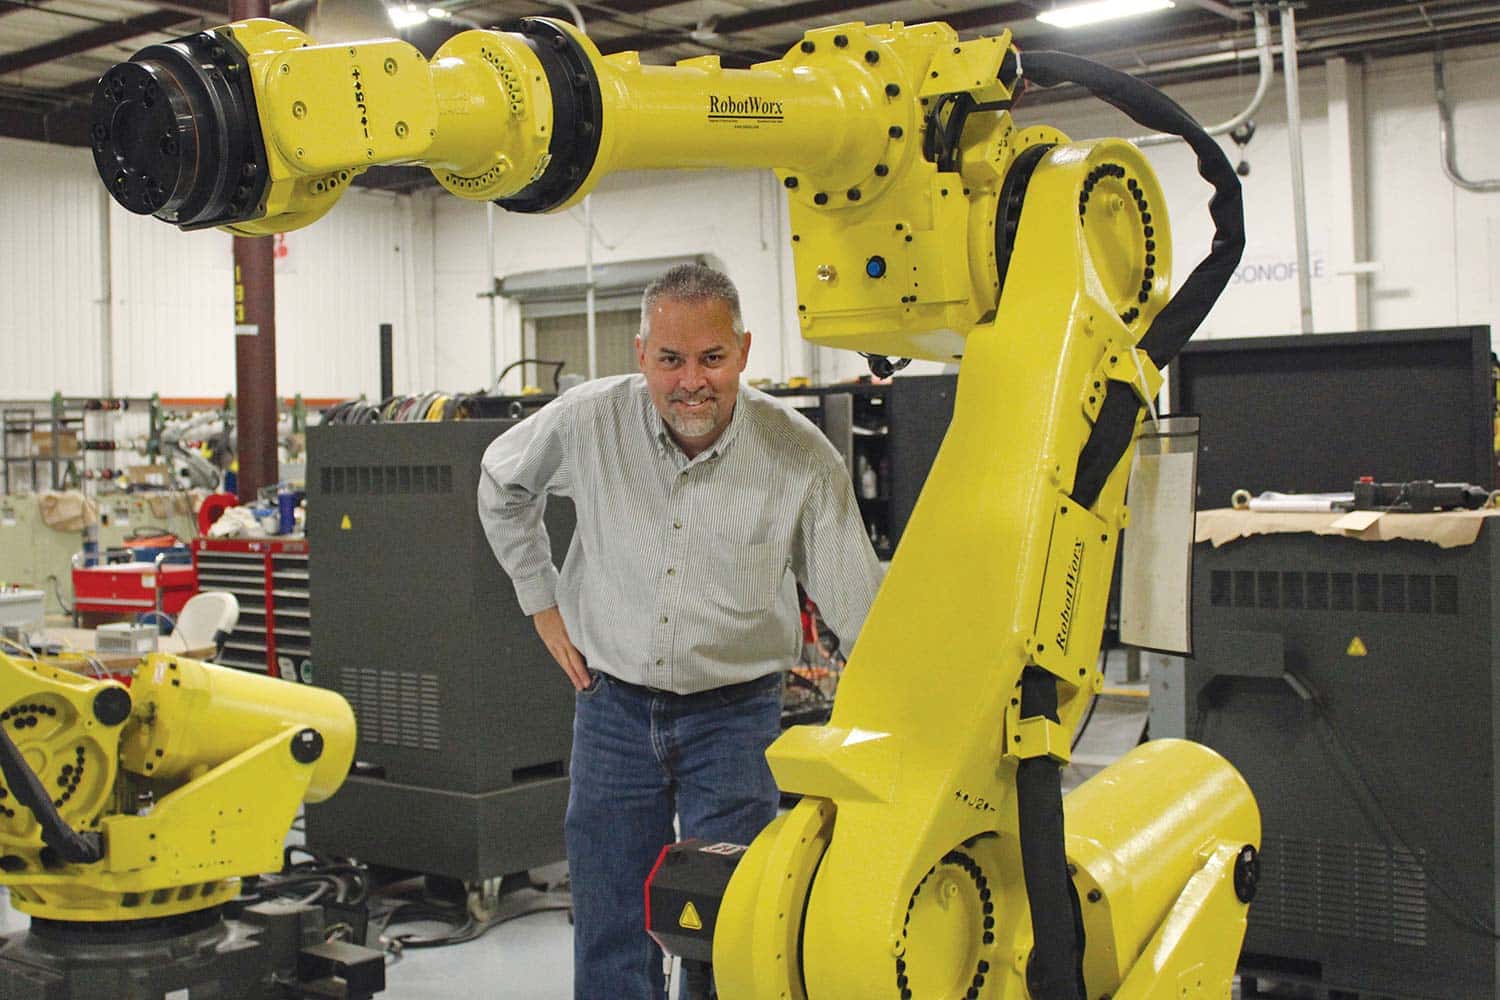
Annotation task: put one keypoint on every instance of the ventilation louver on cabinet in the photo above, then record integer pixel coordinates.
(386, 480)
(1364, 891)
(1299, 590)
(399, 708)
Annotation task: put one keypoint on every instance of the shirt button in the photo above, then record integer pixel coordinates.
(660, 661)
(663, 619)
(677, 525)
(671, 571)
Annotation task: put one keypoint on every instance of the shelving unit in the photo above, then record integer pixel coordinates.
(889, 434)
(270, 578)
(48, 444)
(22, 462)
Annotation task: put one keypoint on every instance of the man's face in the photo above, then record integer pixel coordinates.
(692, 363)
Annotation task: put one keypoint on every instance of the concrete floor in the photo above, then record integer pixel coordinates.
(530, 958)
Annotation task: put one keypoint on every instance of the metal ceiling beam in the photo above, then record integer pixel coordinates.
(1179, 62)
(82, 41)
(64, 126)
(628, 7)
(773, 17)
(216, 9)
(594, 10)
(799, 13)
(1107, 39)
(1224, 10)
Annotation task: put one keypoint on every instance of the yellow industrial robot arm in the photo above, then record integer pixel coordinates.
(146, 801)
(254, 128)
(931, 854)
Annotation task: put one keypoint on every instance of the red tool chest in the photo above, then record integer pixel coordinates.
(269, 577)
(128, 588)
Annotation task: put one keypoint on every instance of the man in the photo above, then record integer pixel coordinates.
(674, 614)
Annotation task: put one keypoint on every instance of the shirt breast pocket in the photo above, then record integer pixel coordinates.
(749, 577)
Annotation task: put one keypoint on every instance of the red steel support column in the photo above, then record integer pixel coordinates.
(255, 338)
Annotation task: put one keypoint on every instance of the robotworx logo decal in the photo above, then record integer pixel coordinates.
(1071, 584)
(750, 108)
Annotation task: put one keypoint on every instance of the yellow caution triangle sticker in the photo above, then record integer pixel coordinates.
(690, 920)
(1357, 647)
(344, 525)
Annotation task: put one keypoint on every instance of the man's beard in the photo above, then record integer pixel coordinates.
(696, 424)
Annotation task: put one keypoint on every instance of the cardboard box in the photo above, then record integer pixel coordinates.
(67, 444)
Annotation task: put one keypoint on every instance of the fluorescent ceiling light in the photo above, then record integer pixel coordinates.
(406, 15)
(1078, 15)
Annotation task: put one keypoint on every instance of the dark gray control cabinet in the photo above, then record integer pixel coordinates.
(465, 721)
(1353, 685)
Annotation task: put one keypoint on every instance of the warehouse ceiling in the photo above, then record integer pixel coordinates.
(52, 51)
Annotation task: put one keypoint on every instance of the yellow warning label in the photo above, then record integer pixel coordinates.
(690, 919)
(1357, 647)
(344, 525)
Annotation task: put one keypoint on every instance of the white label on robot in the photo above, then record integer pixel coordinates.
(728, 850)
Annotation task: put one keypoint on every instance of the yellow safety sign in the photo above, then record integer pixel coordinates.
(690, 919)
(344, 525)
(1357, 647)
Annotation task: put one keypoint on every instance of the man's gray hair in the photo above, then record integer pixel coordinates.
(692, 283)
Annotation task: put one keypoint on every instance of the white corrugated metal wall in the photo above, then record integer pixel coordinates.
(173, 308)
(732, 216)
(51, 267)
(171, 318)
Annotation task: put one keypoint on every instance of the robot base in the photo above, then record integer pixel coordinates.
(273, 950)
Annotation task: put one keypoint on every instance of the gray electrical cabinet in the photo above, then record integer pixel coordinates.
(1353, 684)
(465, 720)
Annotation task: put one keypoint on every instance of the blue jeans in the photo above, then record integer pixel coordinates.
(639, 757)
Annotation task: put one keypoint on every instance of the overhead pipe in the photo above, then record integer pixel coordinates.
(1262, 87)
(1177, 58)
(1445, 135)
(1294, 142)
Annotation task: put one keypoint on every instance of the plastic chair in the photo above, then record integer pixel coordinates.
(208, 618)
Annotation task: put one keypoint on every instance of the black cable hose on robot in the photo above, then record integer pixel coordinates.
(1182, 316)
(1055, 971)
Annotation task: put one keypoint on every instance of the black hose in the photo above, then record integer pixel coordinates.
(70, 845)
(1182, 316)
(557, 367)
(1055, 971)
(1155, 110)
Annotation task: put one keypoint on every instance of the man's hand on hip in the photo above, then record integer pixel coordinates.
(549, 625)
